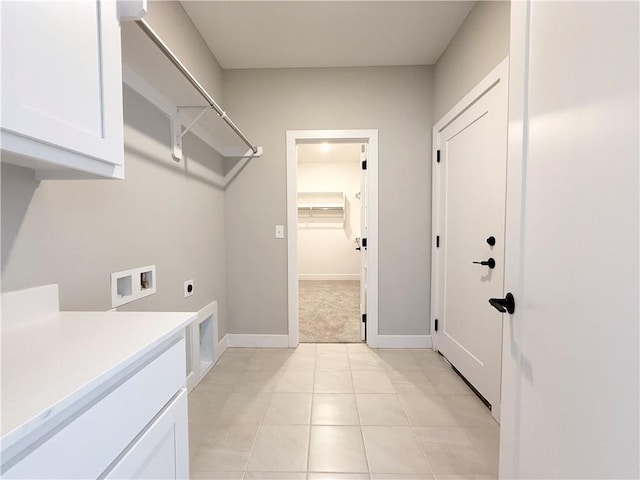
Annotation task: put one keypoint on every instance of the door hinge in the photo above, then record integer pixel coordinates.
(364, 318)
(364, 164)
(436, 326)
(364, 243)
(437, 241)
(438, 156)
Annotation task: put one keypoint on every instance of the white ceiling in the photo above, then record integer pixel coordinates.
(266, 34)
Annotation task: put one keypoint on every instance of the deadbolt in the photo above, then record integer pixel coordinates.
(491, 241)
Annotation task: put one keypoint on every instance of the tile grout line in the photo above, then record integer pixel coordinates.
(424, 454)
(364, 446)
(255, 439)
(313, 394)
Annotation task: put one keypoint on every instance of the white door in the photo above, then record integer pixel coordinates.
(570, 403)
(363, 242)
(470, 187)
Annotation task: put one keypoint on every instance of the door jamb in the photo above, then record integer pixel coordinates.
(293, 138)
(517, 153)
(498, 74)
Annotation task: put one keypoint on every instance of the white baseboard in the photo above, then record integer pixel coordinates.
(404, 341)
(257, 341)
(329, 276)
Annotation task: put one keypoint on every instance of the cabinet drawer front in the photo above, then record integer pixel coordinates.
(162, 450)
(61, 76)
(87, 446)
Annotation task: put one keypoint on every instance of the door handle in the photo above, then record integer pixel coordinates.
(491, 263)
(506, 304)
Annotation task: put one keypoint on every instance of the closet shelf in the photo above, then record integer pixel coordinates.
(321, 209)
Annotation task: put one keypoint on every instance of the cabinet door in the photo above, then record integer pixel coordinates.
(62, 81)
(162, 451)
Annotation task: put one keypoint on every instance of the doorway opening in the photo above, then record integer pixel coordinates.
(330, 200)
(332, 241)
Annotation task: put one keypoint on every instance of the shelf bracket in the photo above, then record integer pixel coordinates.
(177, 132)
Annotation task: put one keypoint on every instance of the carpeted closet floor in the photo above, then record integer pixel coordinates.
(329, 311)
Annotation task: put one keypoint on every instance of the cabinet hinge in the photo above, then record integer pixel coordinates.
(364, 318)
(436, 325)
(364, 165)
(437, 241)
(438, 156)
(364, 243)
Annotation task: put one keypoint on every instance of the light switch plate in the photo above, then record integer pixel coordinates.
(279, 231)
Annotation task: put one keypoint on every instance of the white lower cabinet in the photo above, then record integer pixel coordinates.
(161, 451)
(135, 427)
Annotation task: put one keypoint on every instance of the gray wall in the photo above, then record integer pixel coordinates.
(176, 29)
(481, 43)
(395, 100)
(75, 233)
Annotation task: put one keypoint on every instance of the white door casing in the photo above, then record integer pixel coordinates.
(469, 208)
(363, 235)
(370, 138)
(570, 353)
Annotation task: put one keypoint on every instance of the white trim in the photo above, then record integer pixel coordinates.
(257, 341)
(514, 361)
(193, 330)
(210, 310)
(222, 347)
(498, 74)
(191, 381)
(295, 137)
(329, 276)
(404, 341)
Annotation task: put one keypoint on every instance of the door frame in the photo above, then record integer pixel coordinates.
(293, 139)
(499, 74)
(517, 149)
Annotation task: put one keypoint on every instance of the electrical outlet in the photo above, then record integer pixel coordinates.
(279, 231)
(189, 287)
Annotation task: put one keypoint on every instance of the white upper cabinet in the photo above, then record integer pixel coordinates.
(62, 88)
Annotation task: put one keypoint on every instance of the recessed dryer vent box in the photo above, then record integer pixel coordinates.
(130, 285)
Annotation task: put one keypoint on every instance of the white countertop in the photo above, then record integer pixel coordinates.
(50, 363)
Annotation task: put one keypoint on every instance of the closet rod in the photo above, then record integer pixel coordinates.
(146, 28)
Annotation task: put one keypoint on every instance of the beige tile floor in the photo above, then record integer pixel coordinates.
(338, 412)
